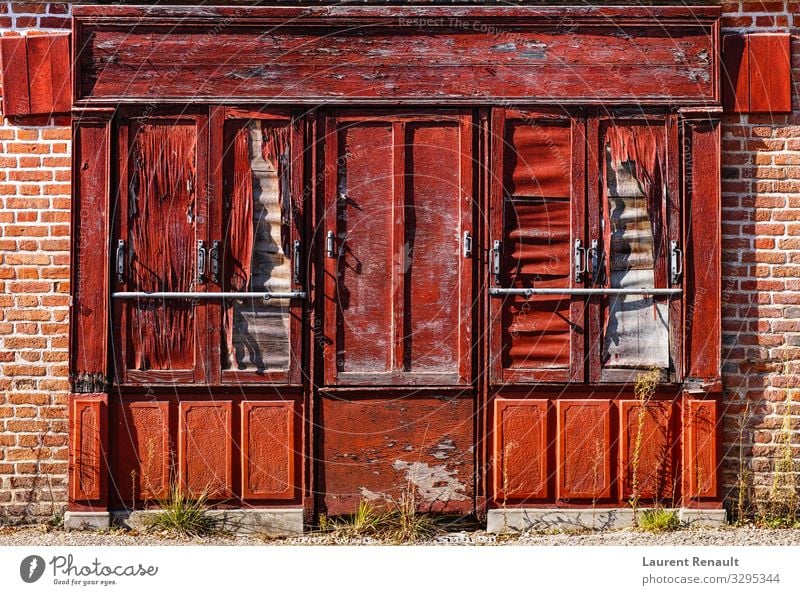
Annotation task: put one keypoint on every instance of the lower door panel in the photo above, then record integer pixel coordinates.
(384, 449)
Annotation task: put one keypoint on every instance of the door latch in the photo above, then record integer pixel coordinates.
(329, 244)
(201, 261)
(579, 257)
(296, 260)
(676, 263)
(213, 256)
(467, 245)
(121, 261)
(495, 261)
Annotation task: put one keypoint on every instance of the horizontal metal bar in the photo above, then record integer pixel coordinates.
(209, 295)
(500, 291)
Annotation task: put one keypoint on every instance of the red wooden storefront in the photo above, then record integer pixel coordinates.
(476, 227)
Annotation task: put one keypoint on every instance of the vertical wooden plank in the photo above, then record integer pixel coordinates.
(578, 228)
(432, 249)
(770, 73)
(468, 198)
(495, 151)
(702, 277)
(16, 93)
(142, 436)
(329, 217)
(214, 310)
(88, 467)
(648, 443)
(520, 449)
(89, 312)
(269, 450)
(299, 232)
(584, 449)
(593, 196)
(701, 449)
(363, 247)
(205, 447)
(61, 72)
(674, 217)
(40, 74)
(401, 253)
(735, 74)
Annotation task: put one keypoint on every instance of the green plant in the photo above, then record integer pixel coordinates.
(366, 522)
(406, 524)
(658, 520)
(744, 480)
(182, 514)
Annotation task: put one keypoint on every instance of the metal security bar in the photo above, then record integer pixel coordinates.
(209, 295)
(500, 291)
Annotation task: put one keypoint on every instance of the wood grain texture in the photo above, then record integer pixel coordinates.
(162, 243)
(630, 58)
(735, 73)
(701, 451)
(88, 463)
(91, 202)
(377, 448)
(703, 277)
(205, 448)
(648, 446)
(270, 450)
(143, 451)
(521, 450)
(16, 93)
(584, 449)
(770, 68)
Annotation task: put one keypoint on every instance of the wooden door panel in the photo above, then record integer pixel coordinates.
(398, 286)
(364, 222)
(205, 460)
(520, 449)
(536, 213)
(259, 230)
(162, 237)
(648, 447)
(584, 449)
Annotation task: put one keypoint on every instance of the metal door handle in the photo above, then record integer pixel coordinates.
(594, 258)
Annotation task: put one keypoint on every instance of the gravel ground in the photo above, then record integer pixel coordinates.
(42, 536)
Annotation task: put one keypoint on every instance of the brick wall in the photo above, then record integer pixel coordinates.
(34, 297)
(761, 281)
(761, 317)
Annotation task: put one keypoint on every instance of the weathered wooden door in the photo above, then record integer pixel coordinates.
(537, 237)
(397, 406)
(398, 262)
